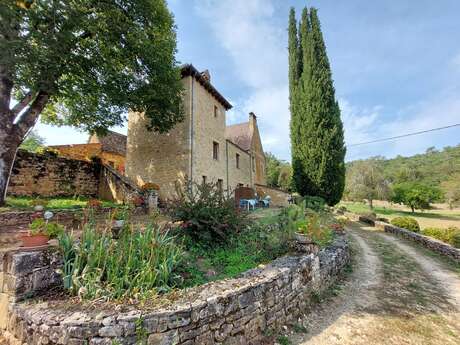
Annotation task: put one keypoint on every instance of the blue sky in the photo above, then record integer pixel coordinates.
(396, 67)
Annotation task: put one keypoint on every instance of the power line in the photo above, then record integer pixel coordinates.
(404, 135)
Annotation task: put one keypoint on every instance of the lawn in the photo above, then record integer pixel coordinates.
(64, 203)
(437, 217)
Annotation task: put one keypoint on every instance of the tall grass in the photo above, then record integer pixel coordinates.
(137, 265)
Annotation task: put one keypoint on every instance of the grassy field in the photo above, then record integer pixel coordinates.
(25, 203)
(440, 216)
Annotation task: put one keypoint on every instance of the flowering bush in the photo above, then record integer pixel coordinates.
(150, 186)
(137, 201)
(207, 214)
(94, 204)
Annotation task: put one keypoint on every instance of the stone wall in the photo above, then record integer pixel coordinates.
(258, 169)
(163, 159)
(427, 242)
(116, 187)
(233, 311)
(279, 197)
(87, 151)
(241, 175)
(82, 152)
(49, 176)
(207, 129)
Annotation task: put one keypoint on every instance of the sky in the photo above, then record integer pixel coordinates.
(395, 64)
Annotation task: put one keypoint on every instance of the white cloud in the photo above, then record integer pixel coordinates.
(366, 125)
(258, 51)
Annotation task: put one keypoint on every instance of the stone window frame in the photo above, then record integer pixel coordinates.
(204, 179)
(237, 157)
(216, 111)
(215, 150)
(220, 185)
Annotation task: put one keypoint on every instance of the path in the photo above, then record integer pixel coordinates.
(395, 295)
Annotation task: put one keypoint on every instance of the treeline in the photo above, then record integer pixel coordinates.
(437, 171)
(278, 172)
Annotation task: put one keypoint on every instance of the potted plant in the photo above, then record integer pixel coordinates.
(119, 220)
(119, 217)
(152, 194)
(301, 234)
(40, 232)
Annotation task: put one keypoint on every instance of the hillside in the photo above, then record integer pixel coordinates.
(432, 167)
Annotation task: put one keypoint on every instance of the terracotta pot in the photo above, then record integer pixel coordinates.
(34, 240)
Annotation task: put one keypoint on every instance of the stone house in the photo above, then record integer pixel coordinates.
(110, 148)
(201, 148)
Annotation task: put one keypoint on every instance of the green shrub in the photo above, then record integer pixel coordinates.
(408, 223)
(315, 203)
(449, 235)
(41, 226)
(208, 215)
(137, 265)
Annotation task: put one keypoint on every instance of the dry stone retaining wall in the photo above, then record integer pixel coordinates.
(234, 311)
(49, 176)
(428, 242)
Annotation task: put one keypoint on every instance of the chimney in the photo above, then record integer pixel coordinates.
(252, 121)
(206, 75)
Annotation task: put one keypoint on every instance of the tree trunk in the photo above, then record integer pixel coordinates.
(412, 208)
(371, 205)
(8, 148)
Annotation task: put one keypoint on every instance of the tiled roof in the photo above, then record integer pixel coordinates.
(240, 135)
(111, 142)
(203, 79)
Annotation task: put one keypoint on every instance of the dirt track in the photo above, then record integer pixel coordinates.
(396, 294)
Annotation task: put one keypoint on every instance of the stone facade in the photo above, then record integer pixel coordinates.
(49, 176)
(199, 147)
(111, 149)
(233, 311)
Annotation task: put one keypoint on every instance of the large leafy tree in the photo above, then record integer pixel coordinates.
(33, 142)
(364, 180)
(84, 63)
(317, 138)
(415, 195)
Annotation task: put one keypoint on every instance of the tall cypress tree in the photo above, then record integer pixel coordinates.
(318, 149)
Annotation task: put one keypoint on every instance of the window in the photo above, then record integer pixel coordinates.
(215, 150)
(253, 164)
(237, 160)
(216, 111)
(204, 179)
(220, 185)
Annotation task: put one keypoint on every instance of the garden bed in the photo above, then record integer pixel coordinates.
(238, 310)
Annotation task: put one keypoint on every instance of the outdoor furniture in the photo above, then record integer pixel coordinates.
(248, 203)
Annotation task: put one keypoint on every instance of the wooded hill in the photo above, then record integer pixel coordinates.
(433, 168)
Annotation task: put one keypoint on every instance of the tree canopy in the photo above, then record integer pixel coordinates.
(317, 138)
(365, 180)
(85, 64)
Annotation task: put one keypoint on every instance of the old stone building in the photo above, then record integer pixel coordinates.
(110, 148)
(201, 148)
